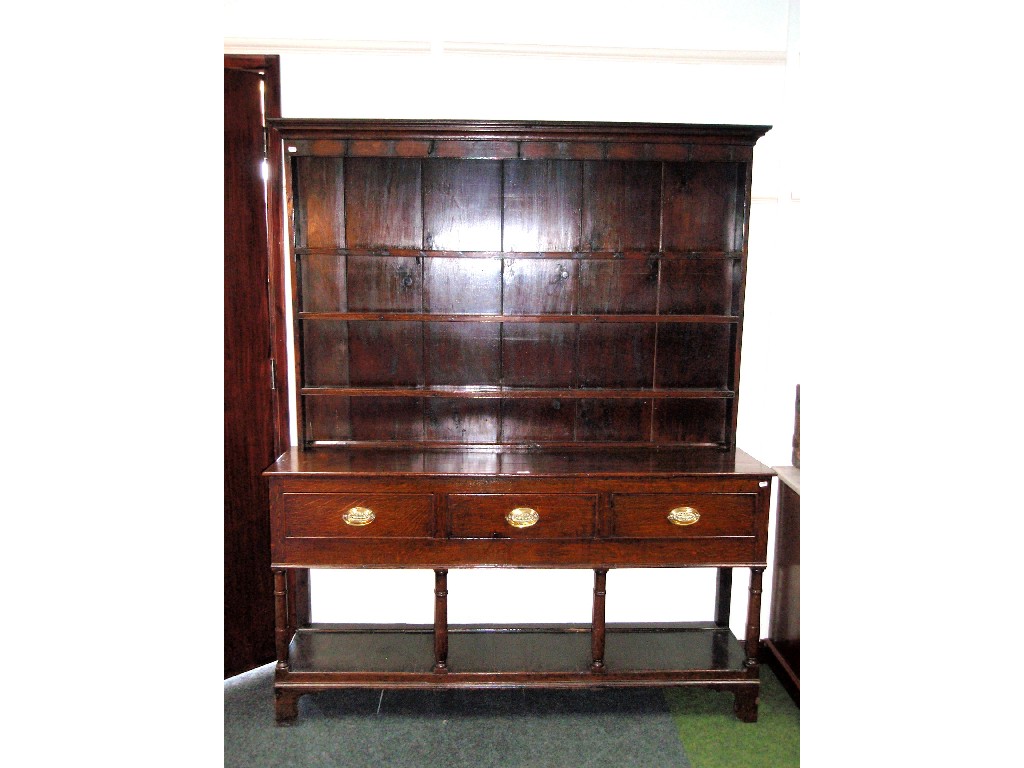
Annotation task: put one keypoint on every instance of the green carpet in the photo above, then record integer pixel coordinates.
(714, 738)
(612, 728)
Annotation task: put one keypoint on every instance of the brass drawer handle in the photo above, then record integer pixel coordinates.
(359, 516)
(683, 516)
(522, 517)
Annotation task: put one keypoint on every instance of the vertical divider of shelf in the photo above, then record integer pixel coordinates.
(657, 302)
(500, 432)
(424, 367)
(740, 235)
(577, 403)
(292, 239)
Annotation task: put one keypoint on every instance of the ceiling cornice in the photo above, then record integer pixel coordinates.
(425, 47)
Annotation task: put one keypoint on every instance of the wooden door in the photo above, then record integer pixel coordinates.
(251, 434)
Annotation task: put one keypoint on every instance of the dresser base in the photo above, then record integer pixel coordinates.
(330, 656)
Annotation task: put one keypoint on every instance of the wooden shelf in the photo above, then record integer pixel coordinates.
(402, 655)
(493, 392)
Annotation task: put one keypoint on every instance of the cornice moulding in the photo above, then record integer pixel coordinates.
(406, 47)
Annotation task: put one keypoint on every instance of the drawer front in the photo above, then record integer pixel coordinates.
(646, 516)
(557, 516)
(394, 515)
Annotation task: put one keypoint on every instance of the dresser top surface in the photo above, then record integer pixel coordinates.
(518, 463)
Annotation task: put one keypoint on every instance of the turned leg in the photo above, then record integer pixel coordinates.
(440, 621)
(723, 597)
(753, 639)
(597, 628)
(747, 697)
(299, 607)
(282, 635)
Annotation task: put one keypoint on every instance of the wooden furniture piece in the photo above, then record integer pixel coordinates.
(783, 641)
(517, 344)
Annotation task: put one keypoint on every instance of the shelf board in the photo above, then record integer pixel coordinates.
(518, 655)
(516, 255)
(495, 392)
(426, 317)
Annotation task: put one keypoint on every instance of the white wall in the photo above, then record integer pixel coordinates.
(707, 61)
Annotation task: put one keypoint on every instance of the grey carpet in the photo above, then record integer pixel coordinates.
(623, 728)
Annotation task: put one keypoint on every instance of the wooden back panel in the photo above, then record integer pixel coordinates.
(565, 284)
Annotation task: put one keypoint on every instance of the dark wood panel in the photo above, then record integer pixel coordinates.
(387, 418)
(609, 420)
(385, 284)
(326, 418)
(462, 286)
(621, 205)
(538, 355)
(461, 421)
(383, 198)
(619, 355)
(701, 204)
(462, 205)
(385, 353)
(560, 516)
(539, 286)
(462, 354)
(250, 407)
(693, 355)
(645, 515)
(689, 421)
(619, 286)
(536, 420)
(697, 287)
(396, 515)
(323, 284)
(542, 205)
(319, 202)
(325, 353)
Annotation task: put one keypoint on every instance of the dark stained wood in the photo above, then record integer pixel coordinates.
(693, 355)
(597, 623)
(461, 421)
(621, 206)
(538, 287)
(462, 354)
(519, 315)
(616, 356)
(696, 287)
(462, 205)
(384, 284)
(783, 642)
(462, 286)
(320, 202)
(385, 353)
(542, 206)
(440, 620)
(250, 405)
(323, 281)
(621, 286)
(538, 355)
(384, 203)
(701, 200)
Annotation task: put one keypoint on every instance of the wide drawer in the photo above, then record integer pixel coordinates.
(539, 516)
(647, 516)
(331, 515)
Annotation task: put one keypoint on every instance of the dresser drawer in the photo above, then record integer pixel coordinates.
(324, 515)
(538, 516)
(646, 516)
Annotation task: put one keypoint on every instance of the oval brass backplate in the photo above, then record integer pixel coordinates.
(522, 517)
(359, 516)
(683, 516)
